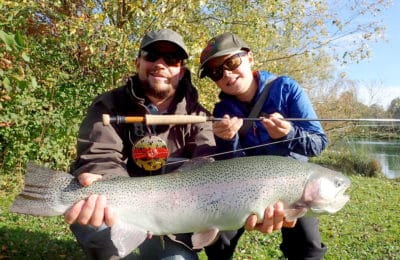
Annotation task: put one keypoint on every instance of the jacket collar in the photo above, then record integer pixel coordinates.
(185, 100)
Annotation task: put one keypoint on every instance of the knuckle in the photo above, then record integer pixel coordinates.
(83, 220)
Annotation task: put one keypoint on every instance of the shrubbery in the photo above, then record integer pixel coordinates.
(349, 161)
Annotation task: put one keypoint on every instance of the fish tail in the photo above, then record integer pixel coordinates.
(41, 193)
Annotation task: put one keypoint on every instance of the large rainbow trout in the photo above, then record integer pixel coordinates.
(204, 199)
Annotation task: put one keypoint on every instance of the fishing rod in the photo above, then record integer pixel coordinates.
(150, 119)
(238, 150)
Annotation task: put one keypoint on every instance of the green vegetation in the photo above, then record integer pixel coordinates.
(350, 163)
(56, 56)
(366, 228)
(345, 155)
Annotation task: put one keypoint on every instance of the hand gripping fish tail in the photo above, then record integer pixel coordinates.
(203, 199)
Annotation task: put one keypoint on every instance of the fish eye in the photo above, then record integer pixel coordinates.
(339, 182)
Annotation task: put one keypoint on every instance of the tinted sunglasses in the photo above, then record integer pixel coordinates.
(171, 59)
(230, 64)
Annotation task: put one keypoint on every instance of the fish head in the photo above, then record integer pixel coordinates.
(325, 190)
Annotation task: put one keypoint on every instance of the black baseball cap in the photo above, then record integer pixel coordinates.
(221, 45)
(167, 35)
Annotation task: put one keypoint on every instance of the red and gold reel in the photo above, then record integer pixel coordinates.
(150, 153)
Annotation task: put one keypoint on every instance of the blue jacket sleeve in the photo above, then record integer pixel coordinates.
(306, 137)
(304, 142)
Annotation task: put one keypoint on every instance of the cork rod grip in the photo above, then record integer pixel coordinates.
(174, 119)
(155, 119)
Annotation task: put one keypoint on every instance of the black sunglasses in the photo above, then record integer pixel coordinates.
(230, 64)
(171, 59)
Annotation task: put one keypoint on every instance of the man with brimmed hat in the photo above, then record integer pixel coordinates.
(227, 60)
(162, 85)
(221, 45)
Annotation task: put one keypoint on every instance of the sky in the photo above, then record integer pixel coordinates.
(382, 70)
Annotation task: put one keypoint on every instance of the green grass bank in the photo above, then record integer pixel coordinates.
(368, 227)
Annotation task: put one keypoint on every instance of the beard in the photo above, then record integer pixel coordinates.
(157, 90)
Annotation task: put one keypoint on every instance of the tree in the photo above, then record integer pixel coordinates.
(394, 108)
(55, 56)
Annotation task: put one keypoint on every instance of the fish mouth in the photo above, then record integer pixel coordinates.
(340, 199)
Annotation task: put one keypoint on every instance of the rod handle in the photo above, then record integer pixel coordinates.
(155, 119)
(107, 119)
(174, 119)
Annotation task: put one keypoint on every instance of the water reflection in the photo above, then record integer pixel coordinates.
(387, 153)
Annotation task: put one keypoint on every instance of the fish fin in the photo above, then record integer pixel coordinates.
(293, 214)
(125, 238)
(194, 163)
(41, 193)
(205, 238)
(174, 238)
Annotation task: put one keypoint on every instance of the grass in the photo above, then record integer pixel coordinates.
(368, 227)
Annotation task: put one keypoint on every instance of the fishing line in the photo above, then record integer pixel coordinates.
(242, 149)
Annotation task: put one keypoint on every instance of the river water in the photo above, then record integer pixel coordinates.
(387, 153)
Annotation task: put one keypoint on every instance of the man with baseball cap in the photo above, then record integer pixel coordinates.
(161, 85)
(165, 35)
(227, 60)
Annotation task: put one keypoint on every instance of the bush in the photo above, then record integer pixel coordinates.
(349, 161)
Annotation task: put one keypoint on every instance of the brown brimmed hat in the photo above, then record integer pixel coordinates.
(221, 45)
(167, 35)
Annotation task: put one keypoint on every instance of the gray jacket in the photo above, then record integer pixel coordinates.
(107, 150)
